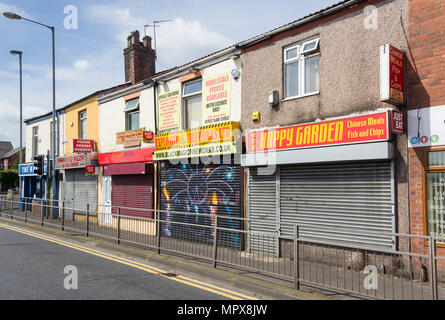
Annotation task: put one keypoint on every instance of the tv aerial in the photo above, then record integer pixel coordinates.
(154, 26)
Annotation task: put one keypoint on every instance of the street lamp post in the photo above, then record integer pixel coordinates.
(19, 53)
(14, 16)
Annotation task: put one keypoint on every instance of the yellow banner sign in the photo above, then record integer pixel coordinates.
(208, 140)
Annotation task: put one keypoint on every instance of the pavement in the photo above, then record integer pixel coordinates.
(33, 259)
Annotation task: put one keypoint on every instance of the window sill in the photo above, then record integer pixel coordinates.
(299, 97)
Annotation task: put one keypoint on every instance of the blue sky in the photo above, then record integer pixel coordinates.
(90, 58)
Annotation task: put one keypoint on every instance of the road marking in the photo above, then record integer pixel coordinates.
(153, 270)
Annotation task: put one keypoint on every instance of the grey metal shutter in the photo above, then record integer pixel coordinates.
(262, 209)
(354, 196)
(80, 190)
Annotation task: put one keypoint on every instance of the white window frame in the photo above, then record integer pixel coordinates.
(187, 96)
(81, 119)
(130, 111)
(135, 107)
(35, 141)
(301, 58)
(127, 118)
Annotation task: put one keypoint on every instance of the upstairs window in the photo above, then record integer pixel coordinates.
(192, 99)
(83, 124)
(301, 69)
(132, 114)
(35, 141)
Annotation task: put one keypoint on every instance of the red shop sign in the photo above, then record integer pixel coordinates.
(83, 145)
(367, 128)
(392, 75)
(398, 122)
(131, 156)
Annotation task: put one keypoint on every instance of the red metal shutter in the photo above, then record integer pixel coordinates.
(132, 191)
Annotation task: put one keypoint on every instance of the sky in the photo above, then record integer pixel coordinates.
(90, 57)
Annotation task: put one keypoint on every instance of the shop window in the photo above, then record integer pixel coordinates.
(301, 69)
(435, 194)
(83, 124)
(192, 102)
(132, 114)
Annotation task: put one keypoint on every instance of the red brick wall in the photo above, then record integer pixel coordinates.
(426, 32)
(426, 88)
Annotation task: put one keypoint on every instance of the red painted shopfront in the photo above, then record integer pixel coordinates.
(132, 180)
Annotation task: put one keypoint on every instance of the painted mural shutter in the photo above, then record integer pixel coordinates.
(354, 196)
(187, 189)
(132, 191)
(262, 208)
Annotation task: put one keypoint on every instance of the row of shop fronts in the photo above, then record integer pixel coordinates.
(337, 174)
(270, 133)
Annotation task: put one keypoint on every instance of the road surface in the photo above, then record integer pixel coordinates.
(34, 268)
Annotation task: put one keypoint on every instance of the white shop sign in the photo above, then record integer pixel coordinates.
(426, 127)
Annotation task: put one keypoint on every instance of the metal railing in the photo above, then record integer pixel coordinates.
(351, 268)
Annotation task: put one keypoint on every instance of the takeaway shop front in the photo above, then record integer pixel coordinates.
(127, 182)
(200, 173)
(336, 174)
(79, 185)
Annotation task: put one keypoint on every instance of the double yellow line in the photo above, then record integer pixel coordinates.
(185, 280)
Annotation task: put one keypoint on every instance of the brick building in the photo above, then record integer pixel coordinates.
(426, 114)
(321, 71)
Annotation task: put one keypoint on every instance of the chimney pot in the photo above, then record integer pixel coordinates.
(139, 58)
(147, 42)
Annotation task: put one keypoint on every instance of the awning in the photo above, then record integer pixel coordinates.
(124, 169)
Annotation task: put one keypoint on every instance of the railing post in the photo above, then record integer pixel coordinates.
(63, 215)
(88, 219)
(215, 242)
(433, 269)
(41, 210)
(12, 207)
(296, 257)
(158, 230)
(118, 225)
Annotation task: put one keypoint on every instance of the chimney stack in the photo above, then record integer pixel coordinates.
(139, 58)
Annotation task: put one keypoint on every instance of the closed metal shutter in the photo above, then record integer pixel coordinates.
(355, 196)
(262, 209)
(79, 190)
(188, 190)
(132, 191)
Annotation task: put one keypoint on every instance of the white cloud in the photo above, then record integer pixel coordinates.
(81, 65)
(177, 42)
(10, 119)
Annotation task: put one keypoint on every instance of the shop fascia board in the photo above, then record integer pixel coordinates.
(350, 152)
